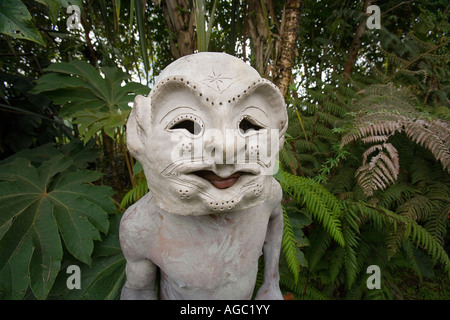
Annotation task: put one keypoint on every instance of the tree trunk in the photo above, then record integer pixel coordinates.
(108, 147)
(108, 144)
(180, 20)
(259, 19)
(255, 27)
(357, 41)
(288, 45)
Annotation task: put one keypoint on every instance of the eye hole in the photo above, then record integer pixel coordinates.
(189, 125)
(246, 125)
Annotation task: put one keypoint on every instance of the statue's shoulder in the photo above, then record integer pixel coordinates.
(138, 224)
(140, 209)
(277, 191)
(273, 196)
(139, 216)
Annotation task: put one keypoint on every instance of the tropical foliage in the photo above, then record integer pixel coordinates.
(364, 169)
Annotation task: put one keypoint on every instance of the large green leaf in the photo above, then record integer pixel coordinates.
(39, 206)
(104, 279)
(96, 102)
(15, 21)
(53, 8)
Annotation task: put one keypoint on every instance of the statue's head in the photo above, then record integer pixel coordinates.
(209, 134)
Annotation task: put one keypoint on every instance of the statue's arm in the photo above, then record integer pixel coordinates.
(140, 284)
(140, 271)
(270, 289)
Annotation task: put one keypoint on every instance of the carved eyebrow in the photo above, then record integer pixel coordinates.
(177, 109)
(253, 107)
(177, 82)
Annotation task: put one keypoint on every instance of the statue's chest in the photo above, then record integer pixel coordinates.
(209, 250)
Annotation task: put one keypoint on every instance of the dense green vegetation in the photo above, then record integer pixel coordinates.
(364, 170)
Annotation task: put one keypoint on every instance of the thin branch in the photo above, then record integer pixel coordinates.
(9, 54)
(398, 5)
(415, 60)
(16, 110)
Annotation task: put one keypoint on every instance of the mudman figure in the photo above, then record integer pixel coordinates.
(208, 138)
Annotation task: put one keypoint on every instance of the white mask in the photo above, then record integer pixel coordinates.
(209, 134)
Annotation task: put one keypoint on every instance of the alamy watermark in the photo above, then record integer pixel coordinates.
(374, 280)
(374, 21)
(74, 20)
(229, 147)
(74, 280)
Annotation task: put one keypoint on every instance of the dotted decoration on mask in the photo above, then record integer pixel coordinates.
(184, 194)
(186, 148)
(257, 190)
(222, 205)
(186, 117)
(208, 100)
(254, 151)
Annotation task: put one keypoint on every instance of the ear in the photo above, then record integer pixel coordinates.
(274, 96)
(269, 92)
(138, 124)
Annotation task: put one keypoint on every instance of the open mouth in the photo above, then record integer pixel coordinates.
(219, 182)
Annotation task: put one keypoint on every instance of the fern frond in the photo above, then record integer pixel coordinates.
(433, 135)
(380, 217)
(419, 171)
(139, 190)
(370, 128)
(328, 118)
(308, 158)
(335, 108)
(289, 247)
(325, 132)
(375, 139)
(317, 95)
(320, 242)
(415, 209)
(426, 46)
(351, 230)
(323, 205)
(345, 91)
(381, 171)
(302, 290)
(419, 208)
(422, 238)
(337, 261)
(288, 158)
(395, 195)
(385, 111)
(437, 224)
(411, 253)
(394, 241)
(393, 58)
(342, 182)
(351, 262)
(302, 145)
(425, 240)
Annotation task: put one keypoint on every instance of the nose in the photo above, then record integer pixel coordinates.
(225, 147)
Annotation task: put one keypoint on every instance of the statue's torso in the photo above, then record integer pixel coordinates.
(202, 257)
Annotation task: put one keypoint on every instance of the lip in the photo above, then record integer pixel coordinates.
(220, 182)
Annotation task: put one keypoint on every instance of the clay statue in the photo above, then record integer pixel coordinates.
(208, 138)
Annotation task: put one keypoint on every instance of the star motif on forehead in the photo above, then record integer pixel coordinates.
(217, 81)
